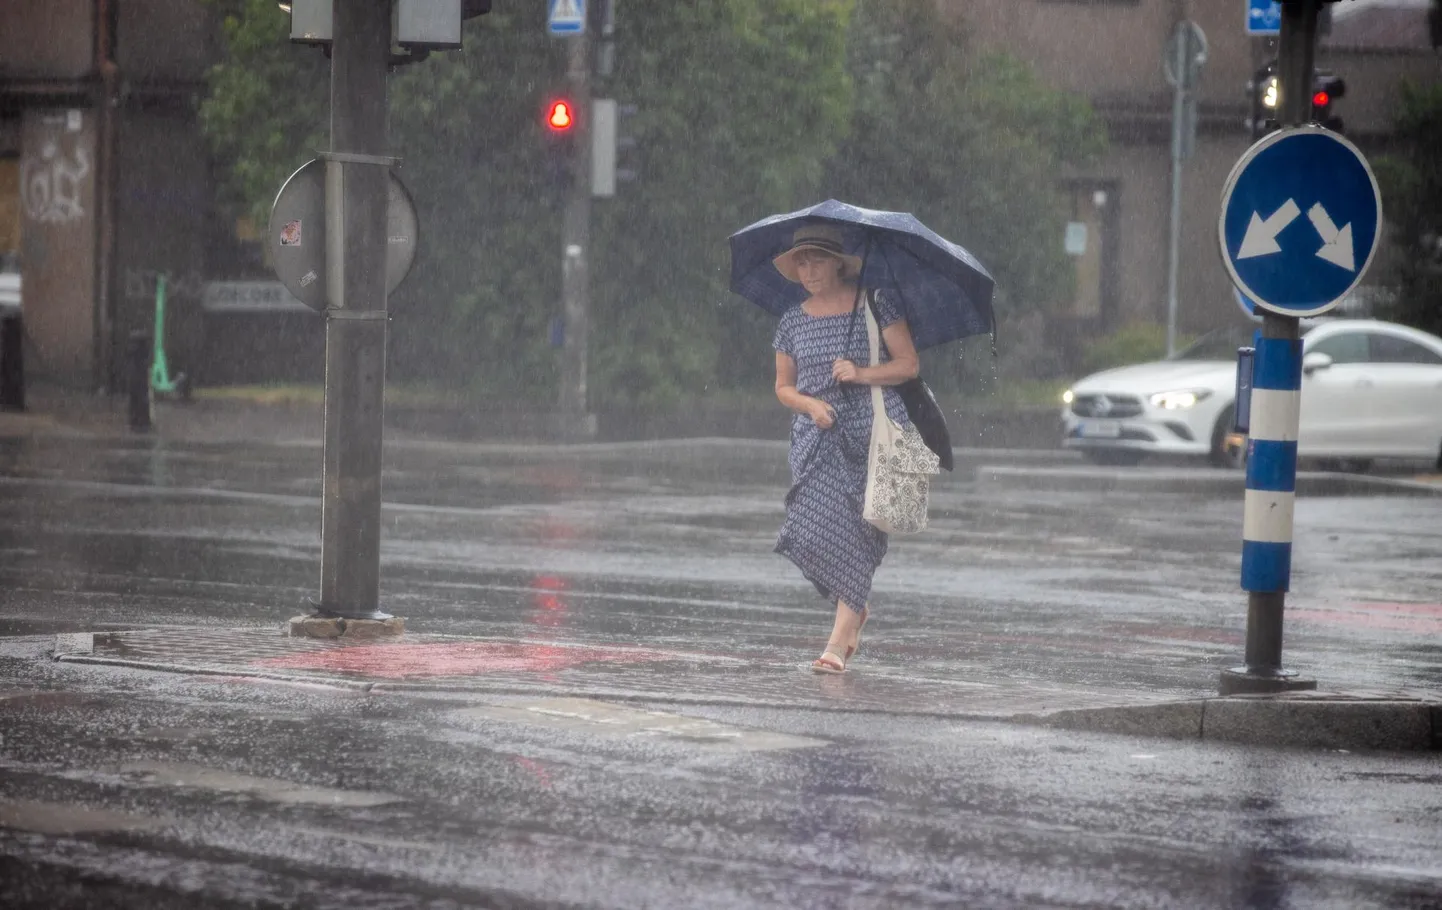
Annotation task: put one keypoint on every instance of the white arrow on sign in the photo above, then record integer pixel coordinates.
(1261, 236)
(1337, 247)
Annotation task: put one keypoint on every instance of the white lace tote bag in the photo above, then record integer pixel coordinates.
(898, 466)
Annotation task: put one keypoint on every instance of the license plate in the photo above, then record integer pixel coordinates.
(1101, 429)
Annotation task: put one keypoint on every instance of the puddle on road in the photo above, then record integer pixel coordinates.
(270, 789)
(583, 715)
(61, 819)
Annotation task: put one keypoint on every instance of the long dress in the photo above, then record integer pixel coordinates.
(824, 533)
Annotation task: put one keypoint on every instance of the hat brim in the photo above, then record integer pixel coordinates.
(786, 262)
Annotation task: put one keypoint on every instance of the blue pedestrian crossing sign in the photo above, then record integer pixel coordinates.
(567, 17)
(1301, 217)
(1264, 17)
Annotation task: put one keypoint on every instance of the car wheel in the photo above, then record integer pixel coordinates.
(1114, 458)
(1222, 455)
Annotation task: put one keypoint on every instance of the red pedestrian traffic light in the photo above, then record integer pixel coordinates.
(560, 118)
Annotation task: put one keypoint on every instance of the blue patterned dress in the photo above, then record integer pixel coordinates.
(824, 533)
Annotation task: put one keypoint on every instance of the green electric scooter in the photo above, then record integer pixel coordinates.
(177, 386)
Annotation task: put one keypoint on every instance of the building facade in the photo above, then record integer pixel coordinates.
(1111, 52)
(104, 180)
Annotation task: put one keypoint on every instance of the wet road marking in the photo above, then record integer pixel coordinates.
(199, 777)
(599, 718)
(61, 819)
(473, 658)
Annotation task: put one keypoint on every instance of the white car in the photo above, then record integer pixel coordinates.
(1369, 390)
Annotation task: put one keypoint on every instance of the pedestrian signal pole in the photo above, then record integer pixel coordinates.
(576, 419)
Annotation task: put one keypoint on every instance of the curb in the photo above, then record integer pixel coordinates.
(1402, 723)
(1203, 482)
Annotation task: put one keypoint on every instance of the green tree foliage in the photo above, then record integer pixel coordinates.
(740, 102)
(972, 143)
(745, 107)
(1412, 200)
(266, 110)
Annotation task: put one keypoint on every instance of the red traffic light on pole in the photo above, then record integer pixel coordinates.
(1327, 87)
(560, 116)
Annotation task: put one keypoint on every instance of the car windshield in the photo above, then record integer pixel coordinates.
(1219, 345)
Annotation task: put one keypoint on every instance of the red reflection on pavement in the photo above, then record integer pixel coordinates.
(405, 661)
(1398, 617)
(549, 600)
(536, 769)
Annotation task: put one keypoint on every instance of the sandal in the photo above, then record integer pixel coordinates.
(829, 662)
(852, 649)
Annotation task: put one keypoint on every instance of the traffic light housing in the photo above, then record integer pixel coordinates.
(1327, 88)
(1264, 89)
(558, 122)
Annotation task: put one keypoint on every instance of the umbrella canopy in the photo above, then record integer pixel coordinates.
(942, 289)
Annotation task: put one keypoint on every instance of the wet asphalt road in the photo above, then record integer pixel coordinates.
(143, 786)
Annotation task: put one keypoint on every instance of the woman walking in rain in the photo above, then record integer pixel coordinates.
(819, 345)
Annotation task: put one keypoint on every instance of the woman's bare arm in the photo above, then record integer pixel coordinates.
(903, 366)
(788, 395)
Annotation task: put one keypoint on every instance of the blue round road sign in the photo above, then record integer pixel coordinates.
(1300, 221)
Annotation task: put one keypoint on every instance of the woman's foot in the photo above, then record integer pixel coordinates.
(830, 662)
(856, 639)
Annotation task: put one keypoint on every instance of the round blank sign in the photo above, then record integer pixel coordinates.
(296, 234)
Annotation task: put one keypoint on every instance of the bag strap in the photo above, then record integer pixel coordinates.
(873, 336)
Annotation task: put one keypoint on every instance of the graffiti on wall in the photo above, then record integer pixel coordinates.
(52, 183)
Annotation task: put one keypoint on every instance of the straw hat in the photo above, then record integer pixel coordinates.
(821, 237)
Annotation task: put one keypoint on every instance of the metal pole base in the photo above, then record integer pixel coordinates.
(1245, 681)
(328, 611)
(327, 624)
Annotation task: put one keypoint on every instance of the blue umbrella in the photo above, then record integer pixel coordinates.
(944, 292)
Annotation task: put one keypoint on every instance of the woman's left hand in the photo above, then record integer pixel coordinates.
(845, 371)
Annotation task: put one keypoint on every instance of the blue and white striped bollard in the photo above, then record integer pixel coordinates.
(1272, 466)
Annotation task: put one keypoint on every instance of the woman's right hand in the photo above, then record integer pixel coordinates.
(821, 413)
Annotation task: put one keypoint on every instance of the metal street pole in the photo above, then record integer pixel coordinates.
(1179, 106)
(106, 376)
(1183, 63)
(575, 416)
(357, 173)
(1279, 352)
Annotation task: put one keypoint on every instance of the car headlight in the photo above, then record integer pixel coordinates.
(1179, 400)
(1068, 397)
